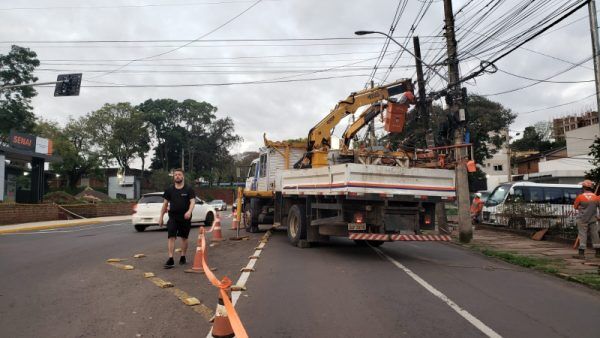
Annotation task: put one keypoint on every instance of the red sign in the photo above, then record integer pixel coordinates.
(22, 141)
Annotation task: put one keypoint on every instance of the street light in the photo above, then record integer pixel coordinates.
(405, 49)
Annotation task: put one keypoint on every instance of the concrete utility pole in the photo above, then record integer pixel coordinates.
(457, 107)
(595, 50)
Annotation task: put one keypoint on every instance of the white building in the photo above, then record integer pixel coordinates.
(496, 169)
(570, 169)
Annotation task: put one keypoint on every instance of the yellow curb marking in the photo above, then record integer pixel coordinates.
(185, 298)
(46, 227)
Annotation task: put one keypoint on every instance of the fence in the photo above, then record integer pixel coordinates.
(559, 219)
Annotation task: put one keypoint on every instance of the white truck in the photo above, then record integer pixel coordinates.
(344, 193)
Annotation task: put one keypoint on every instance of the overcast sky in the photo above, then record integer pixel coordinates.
(221, 45)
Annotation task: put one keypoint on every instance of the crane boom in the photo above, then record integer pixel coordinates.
(319, 137)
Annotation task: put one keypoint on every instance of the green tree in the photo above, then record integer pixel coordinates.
(120, 132)
(72, 144)
(17, 68)
(594, 174)
(163, 116)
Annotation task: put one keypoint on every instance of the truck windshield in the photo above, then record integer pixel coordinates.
(252, 170)
(498, 195)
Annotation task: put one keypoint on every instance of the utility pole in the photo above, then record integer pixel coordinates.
(456, 100)
(595, 50)
(424, 111)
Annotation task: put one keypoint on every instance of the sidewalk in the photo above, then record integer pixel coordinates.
(34, 226)
(550, 257)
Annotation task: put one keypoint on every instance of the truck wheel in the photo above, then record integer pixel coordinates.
(251, 212)
(140, 227)
(296, 227)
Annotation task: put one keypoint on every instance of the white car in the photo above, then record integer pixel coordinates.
(147, 212)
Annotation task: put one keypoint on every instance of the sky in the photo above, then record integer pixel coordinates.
(303, 54)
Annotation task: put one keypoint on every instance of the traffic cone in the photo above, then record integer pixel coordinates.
(235, 223)
(221, 325)
(216, 230)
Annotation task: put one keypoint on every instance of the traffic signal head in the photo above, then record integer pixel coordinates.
(67, 85)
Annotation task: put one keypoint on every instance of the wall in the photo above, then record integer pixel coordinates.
(580, 140)
(12, 213)
(132, 191)
(209, 194)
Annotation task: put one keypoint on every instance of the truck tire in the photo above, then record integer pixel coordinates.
(251, 212)
(296, 224)
(140, 227)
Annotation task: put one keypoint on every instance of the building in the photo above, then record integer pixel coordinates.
(530, 164)
(569, 169)
(23, 161)
(568, 123)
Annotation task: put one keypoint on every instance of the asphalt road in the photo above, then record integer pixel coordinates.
(58, 284)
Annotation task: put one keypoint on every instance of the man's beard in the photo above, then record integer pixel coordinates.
(178, 180)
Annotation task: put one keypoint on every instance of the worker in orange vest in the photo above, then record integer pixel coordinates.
(587, 204)
(476, 208)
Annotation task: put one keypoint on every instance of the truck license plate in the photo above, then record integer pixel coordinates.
(357, 226)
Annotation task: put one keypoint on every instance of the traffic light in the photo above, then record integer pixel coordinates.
(68, 85)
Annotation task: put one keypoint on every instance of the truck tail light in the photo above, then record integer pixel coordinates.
(427, 219)
(359, 217)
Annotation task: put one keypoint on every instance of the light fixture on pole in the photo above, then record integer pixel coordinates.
(405, 49)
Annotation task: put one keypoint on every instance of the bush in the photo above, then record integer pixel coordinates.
(62, 197)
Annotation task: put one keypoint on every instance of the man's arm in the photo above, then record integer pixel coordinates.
(163, 210)
(188, 214)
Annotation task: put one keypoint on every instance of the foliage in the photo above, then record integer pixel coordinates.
(73, 144)
(190, 130)
(532, 140)
(120, 132)
(17, 68)
(160, 180)
(61, 197)
(594, 174)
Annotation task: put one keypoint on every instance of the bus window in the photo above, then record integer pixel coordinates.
(498, 195)
(553, 195)
(263, 165)
(570, 194)
(534, 195)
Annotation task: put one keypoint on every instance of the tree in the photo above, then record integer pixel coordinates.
(594, 174)
(17, 68)
(532, 140)
(74, 147)
(163, 116)
(120, 132)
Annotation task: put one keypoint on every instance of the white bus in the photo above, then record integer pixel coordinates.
(526, 205)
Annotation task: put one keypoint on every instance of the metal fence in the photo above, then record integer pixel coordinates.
(559, 219)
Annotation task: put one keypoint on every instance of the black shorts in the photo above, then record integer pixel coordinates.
(178, 227)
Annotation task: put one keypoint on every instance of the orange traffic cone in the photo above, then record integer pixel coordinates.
(216, 230)
(235, 223)
(221, 325)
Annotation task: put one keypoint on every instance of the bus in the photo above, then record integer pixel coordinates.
(526, 205)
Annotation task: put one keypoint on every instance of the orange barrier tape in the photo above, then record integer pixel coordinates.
(224, 284)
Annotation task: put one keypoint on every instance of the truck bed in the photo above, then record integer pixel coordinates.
(359, 179)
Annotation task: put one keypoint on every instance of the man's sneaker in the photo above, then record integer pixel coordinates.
(182, 260)
(170, 263)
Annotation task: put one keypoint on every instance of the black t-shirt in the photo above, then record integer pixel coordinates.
(179, 199)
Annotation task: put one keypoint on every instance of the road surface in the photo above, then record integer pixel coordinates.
(56, 283)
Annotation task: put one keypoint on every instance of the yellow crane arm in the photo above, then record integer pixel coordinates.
(319, 137)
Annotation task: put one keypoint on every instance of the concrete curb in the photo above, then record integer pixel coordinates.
(45, 227)
(15, 228)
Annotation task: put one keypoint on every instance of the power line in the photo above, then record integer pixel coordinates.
(185, 44)
(184, 4)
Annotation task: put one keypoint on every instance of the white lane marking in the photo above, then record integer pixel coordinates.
(235, 295)
(55, 230)
(462, 312)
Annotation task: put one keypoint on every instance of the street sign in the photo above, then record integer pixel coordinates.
(68, 85)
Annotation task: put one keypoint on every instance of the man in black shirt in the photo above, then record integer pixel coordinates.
(179, 200)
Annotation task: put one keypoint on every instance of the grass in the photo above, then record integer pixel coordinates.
(550, 266)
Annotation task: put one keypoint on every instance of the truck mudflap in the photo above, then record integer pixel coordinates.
(386, 237)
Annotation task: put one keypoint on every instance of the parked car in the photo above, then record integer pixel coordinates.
(218, 204)
(147, 212)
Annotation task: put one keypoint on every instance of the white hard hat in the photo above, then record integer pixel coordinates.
(478, 194)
